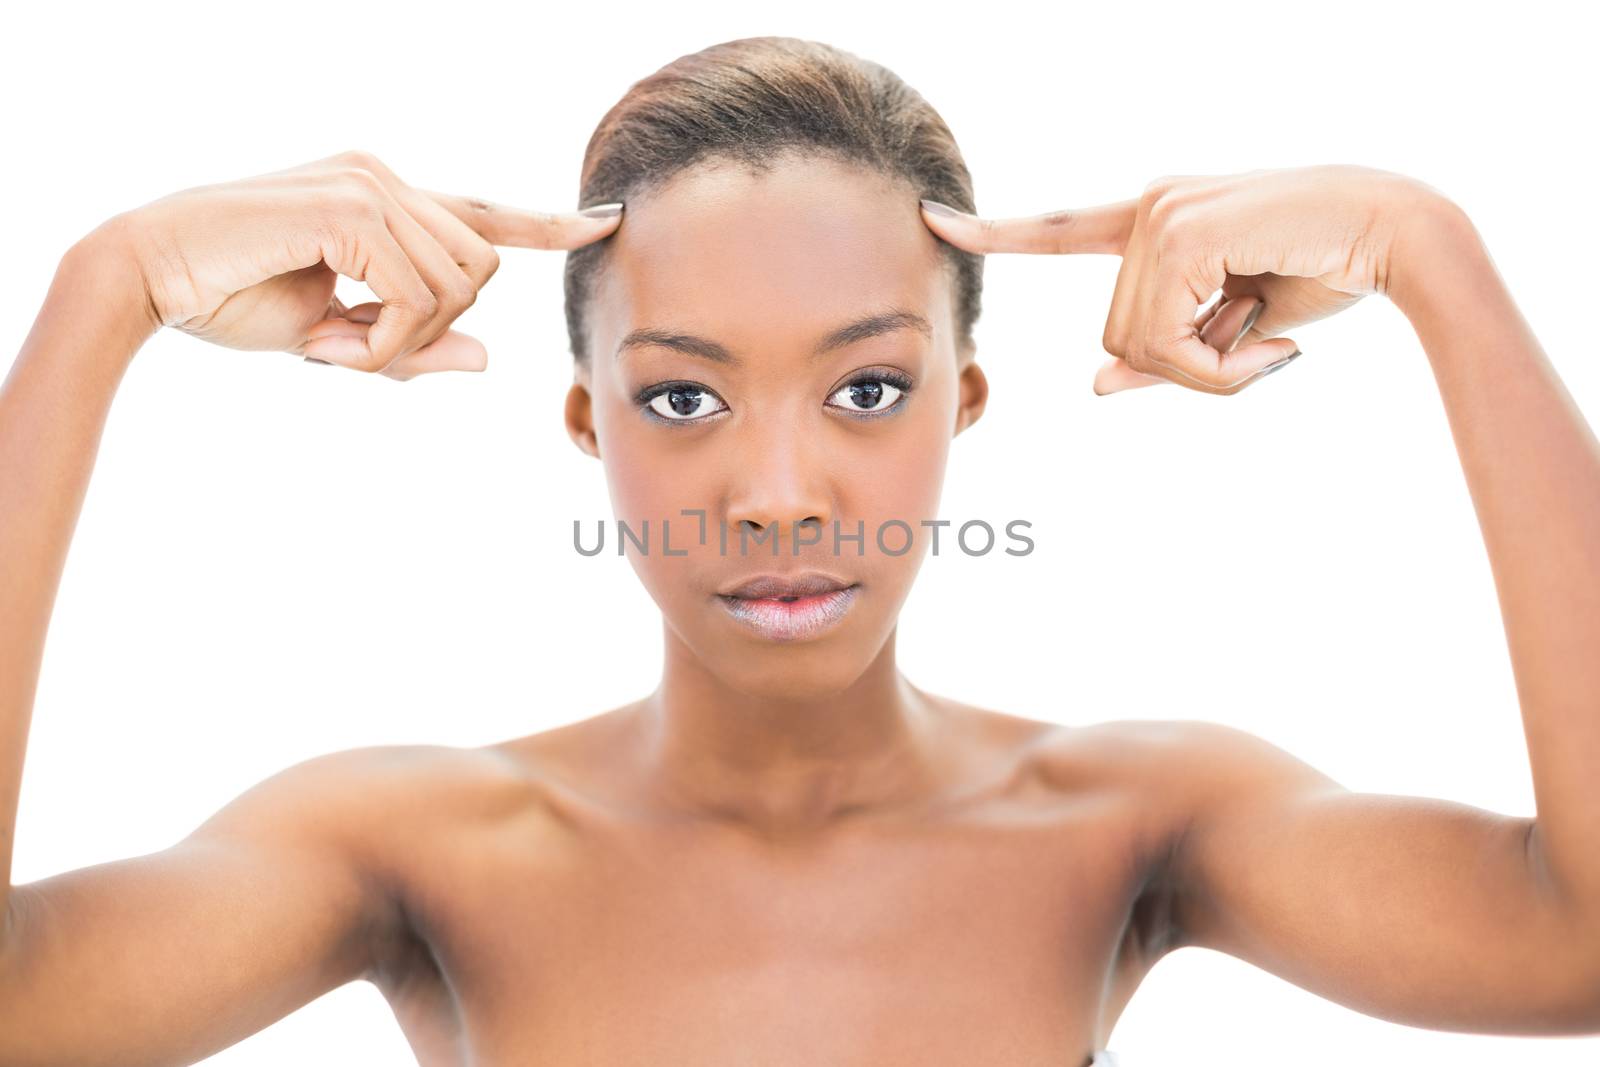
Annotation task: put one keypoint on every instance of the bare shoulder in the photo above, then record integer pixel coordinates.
(1179, 773)
(396, 811)
(394, 796)
(369, 803)
(286, 892)
(357, 793)
(1191, 760)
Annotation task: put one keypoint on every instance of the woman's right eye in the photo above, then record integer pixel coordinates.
(682, 402)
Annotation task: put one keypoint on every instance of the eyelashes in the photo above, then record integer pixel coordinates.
(877, 392)
(868, 395)
(683, 402)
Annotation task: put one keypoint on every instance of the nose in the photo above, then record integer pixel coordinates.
(781, 481)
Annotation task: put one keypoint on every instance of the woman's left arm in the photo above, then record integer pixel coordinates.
(1532, 466)
(1422, 911)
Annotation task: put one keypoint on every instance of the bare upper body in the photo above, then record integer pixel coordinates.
(535, 900)
(526, 902)
(558, 914)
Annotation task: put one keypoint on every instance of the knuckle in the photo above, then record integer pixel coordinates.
(1182, 227)
(487, 265)
(332, 225)
(1111, 342)
(425, 306)
(359, 159)
(1170, 235)
(350, 206)
(1157, 188)
(460, 294)
(1167, 198)
(1059, 225)
(986, 234)
(359, 179)
(352, 194)
(1162, 214)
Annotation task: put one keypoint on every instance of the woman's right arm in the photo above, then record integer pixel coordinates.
(169, 957)
(279, 897)
(52, 410)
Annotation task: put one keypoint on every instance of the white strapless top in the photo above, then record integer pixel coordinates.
(1104, 1058)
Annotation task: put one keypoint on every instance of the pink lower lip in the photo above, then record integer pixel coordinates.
(791, 620)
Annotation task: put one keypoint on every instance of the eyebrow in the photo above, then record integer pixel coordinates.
(851, 332)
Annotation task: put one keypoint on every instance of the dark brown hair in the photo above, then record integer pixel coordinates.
(750, 101)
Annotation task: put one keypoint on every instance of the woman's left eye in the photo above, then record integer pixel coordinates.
(871, 394)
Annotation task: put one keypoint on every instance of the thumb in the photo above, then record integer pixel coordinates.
(451, 350)
(1115, 375)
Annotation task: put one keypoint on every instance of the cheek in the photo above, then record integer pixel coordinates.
(643, 480)
(904, 467)
(639, 490)
(649, 480)
(899, 480)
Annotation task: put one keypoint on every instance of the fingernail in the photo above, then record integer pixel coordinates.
(1285, 361)
(1249, 321)
(938, 208)
(314, 359)
(602, 211)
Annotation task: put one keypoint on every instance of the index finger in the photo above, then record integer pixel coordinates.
(516, 227)
(1104, 229)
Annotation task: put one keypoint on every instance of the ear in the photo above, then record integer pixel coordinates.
(972, 392)
(580, 419)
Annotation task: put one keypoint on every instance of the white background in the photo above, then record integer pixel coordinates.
(277, 560)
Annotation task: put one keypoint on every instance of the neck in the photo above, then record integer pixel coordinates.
(786, 755)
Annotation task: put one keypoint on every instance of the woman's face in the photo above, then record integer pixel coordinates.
(718, 381)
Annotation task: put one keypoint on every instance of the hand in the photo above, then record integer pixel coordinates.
(251, 264)
(1285, 247)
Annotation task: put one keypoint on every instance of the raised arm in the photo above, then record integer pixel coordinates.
(53, 408)
(1423, 911)
(285, 893)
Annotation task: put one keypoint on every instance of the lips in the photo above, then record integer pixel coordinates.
(792, 607)
(774, 586)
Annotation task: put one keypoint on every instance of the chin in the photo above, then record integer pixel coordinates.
(782, 675)
(805, 668)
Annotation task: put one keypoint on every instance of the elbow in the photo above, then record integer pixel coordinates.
(1589, 987)
(1572, 978)
(1580, 1015)
(1571, 965)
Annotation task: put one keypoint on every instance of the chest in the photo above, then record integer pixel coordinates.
(991, 937)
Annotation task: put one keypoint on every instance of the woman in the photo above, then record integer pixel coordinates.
(788, 852)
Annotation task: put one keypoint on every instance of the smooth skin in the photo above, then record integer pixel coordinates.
(793, 855)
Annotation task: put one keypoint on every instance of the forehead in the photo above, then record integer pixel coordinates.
(771, 257)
